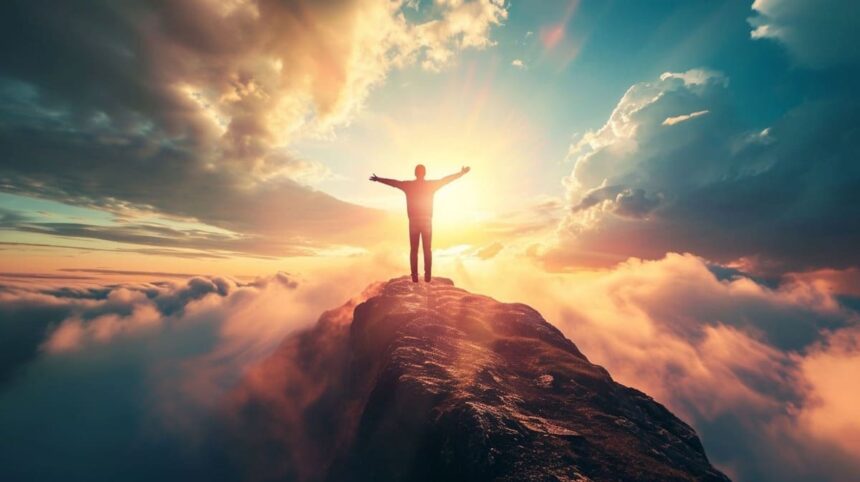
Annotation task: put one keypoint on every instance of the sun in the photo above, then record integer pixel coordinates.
(447, 144)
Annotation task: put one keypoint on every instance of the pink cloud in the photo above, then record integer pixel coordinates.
(831, 371)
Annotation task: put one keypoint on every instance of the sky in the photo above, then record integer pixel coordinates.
(674, 184)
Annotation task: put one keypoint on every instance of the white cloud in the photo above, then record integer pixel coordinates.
(463, 24)
(670, 121)
(518, 64)
(696, 77)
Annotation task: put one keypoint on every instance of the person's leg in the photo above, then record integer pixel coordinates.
(427, 242)
(414, 232)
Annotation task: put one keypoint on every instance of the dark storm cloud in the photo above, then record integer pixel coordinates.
(783, 197)
(818, 34)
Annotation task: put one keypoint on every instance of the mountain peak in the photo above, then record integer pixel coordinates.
(427, 381)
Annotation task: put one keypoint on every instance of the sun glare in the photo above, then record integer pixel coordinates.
(494, 144)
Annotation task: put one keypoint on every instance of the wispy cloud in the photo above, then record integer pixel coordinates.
(670, 121)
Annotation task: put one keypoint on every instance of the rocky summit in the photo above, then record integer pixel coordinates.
(420, 382)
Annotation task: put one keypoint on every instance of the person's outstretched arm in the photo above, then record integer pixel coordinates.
(390, 182)
(454, 177)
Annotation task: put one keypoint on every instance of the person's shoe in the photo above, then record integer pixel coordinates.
(414, 278)
(427, 277)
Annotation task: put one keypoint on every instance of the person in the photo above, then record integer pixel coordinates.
(419, 207)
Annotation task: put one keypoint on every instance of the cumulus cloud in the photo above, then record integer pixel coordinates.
(675, 169)
(464, 24)
(818, 34)
(187, 108)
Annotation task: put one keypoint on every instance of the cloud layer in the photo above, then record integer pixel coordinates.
(759, 369)
(128, 376)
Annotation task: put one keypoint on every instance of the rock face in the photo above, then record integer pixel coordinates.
(431, 382)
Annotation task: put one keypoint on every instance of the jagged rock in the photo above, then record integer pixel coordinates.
(431, 382)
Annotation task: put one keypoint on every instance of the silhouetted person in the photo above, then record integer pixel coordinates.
(419, 207)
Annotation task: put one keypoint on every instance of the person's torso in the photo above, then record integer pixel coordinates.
(419, 198)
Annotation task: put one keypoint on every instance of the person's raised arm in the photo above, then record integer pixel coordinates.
(454, 177)
(390, 182)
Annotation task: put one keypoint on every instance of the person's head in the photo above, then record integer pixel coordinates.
(420, 171)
